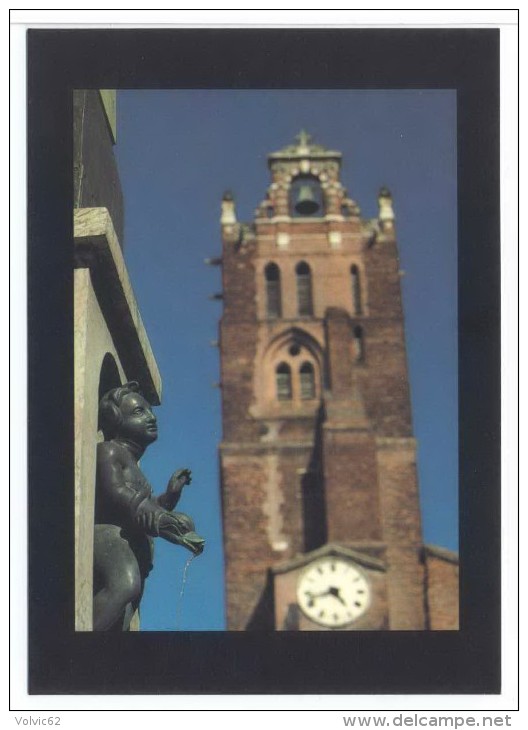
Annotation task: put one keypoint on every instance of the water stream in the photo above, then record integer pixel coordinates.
(182, 591)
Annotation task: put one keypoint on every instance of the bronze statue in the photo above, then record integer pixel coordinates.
(127, 514)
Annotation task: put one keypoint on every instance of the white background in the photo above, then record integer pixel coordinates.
(219, 710)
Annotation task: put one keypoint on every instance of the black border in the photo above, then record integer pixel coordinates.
(63, 662)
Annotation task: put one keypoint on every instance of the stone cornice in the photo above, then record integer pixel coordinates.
(97, 248)
(357, 556)
(295, 153)
(441, 553)
(241, 447)
(395, 442)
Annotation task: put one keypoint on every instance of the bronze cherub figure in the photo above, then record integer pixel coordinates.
(127, 514)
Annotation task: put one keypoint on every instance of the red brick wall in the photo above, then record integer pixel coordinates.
(247, 552)
(402, 532)
(339, 355)
(264, 500)
(290, 483)
(383, 377)
(238, 340)
(442, 591)
(351, 486)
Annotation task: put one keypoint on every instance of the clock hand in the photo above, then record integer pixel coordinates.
(318, 595)
(312, 596)
(336, 593)
(331, 591)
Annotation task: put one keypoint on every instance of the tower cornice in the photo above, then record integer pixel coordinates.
(306, 149)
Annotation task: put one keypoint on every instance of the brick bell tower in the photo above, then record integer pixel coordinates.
(318, 466)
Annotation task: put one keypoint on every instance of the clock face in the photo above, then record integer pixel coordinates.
(332, 592)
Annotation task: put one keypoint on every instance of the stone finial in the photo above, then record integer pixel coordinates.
(303, 139)
(386, 212)
(228, 214)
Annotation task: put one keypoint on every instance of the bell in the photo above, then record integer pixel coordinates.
(306, 203)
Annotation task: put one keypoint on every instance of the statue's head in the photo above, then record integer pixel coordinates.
(125, 413)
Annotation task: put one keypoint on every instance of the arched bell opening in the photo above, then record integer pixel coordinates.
(306, 197)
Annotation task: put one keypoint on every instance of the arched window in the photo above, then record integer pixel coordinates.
(273, 290)
(359, 345)
(283, 379)
(307, 380)
(304, 289)
(356, 289)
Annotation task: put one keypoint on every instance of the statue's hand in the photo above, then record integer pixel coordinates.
(170, 498)
(148, 516)
(178, 480)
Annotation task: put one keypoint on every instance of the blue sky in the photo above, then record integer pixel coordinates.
(177, 152)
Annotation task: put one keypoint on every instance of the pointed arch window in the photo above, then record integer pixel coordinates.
(304, 289)
(283, 381)
(307, 380)
(273, 290)
(359, 344)
(356, 290)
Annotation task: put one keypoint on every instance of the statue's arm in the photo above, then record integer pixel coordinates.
(177, 527)
(134, 503)
(170, 498)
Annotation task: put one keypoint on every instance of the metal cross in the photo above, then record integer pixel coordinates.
(303, 138)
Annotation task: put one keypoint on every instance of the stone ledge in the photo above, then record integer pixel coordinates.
(367, 561)
(398, 442)
(441, 553)
(303, 413)
(97, 248)
(230, 447)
